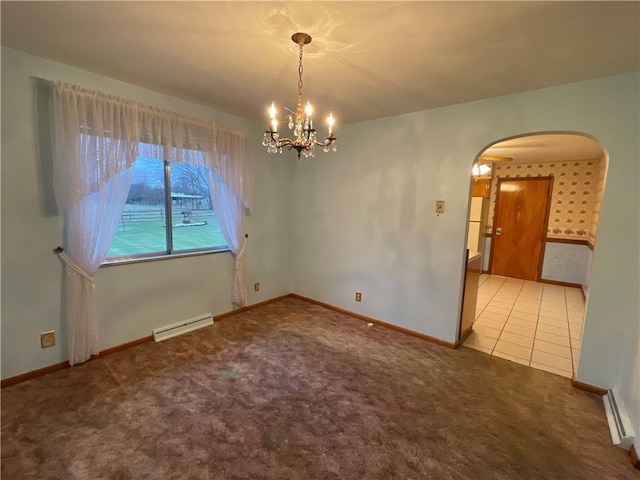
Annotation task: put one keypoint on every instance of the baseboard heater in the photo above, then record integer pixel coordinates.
(619, 424)
(173, 330)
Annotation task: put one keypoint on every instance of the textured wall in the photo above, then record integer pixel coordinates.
(363, 219)
(565, 262)
(131, 299)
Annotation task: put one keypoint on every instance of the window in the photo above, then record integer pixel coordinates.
(161, 191)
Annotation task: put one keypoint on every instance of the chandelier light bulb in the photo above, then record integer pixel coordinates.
(274, 125)
(331, 121)
(272, 110)
(308, 109)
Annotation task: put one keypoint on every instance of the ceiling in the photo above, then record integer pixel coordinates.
(547, 148)
(367, 60)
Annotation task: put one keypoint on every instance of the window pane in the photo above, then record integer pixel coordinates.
(142, 226)
(194, 221)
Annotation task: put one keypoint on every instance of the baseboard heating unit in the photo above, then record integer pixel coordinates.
(173, 330)
(619, 424)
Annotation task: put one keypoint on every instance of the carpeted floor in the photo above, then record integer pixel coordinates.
(291, 390)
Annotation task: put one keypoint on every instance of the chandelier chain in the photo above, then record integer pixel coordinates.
(300, 69)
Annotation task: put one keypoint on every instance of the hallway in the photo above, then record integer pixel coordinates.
(535, 324)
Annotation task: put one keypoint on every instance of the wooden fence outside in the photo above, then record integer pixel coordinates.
(184, 216)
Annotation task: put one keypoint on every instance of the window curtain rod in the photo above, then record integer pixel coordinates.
(142, 108)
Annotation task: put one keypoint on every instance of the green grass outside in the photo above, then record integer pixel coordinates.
(140, 237)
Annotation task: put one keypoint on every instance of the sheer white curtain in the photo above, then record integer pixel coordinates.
(231, 200)
(96, 138)
(94, 149)
(229, 212)
(90, 226)
(221, 151)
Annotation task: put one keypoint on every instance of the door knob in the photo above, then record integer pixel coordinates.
(499, 231)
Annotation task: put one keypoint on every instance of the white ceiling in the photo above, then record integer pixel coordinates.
(547, 148)
(367, 59)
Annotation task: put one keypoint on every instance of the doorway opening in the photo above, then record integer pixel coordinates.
(534, 211)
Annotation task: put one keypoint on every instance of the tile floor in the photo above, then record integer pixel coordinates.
(535, 324)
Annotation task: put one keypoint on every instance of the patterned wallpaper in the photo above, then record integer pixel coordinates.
(597, 201)
(576, 196)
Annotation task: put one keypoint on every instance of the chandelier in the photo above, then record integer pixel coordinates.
(304, 139)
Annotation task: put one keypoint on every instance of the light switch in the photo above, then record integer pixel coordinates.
(439, 206)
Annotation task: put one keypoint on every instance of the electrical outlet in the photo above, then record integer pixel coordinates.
(256, 287)
(358, 297)
(48, 339)
(439, 206)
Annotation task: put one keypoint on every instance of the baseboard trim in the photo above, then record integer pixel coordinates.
(364, 318)
(633, 456)
(587, 387)
(123, 346)
(562, 284)
(23, 377)
(8, 382)
(231, 313)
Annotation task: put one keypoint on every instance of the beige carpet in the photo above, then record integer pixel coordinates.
(294, 391)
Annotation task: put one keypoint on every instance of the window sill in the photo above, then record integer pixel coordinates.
(166, 256)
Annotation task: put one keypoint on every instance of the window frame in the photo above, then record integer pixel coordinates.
(169, 252)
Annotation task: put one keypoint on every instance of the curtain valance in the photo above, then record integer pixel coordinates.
(93, 124)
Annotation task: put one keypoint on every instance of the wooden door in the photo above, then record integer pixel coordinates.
(520, 227)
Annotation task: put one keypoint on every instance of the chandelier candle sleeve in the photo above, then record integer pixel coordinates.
(304, 139)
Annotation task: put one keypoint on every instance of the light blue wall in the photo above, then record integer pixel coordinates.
(628, 382)
(364, 218)
(565, 262)
(131, 299)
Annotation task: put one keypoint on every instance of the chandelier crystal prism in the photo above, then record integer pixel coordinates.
(304, 139)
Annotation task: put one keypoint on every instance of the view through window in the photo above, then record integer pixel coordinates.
(143, 229)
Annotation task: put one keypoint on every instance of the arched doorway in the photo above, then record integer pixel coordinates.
(534, 212)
